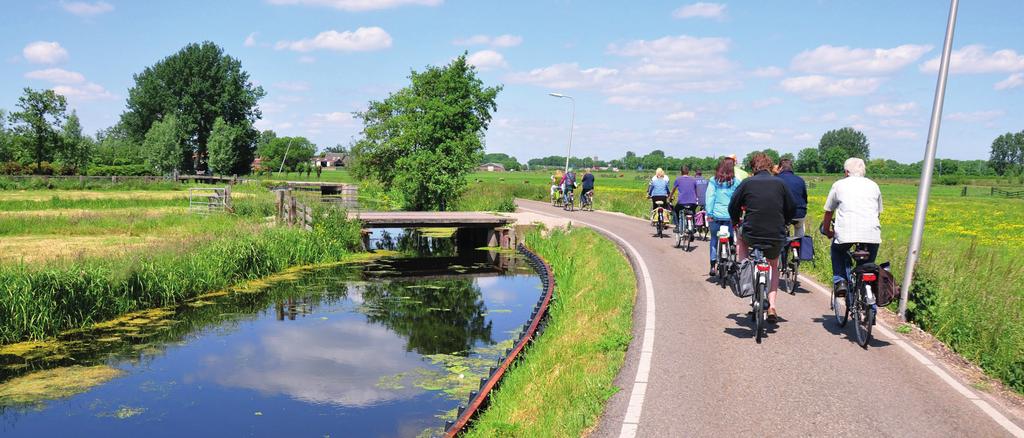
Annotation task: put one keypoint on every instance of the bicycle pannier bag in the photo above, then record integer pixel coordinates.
(806, 249)
(887, 290)
(743, 284)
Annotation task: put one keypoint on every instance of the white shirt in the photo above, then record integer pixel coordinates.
(857, 203)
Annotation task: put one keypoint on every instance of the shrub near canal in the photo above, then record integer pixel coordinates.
(36, 302)
(561, 385)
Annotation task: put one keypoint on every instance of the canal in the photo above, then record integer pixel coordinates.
(385, 347)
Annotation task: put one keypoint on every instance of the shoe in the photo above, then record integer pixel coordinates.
(713, 272)
(840, 288)
(773, 316)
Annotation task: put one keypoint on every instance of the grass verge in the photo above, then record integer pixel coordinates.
(560, 386)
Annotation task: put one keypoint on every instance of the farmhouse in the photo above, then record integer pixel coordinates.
(492, 167)
(332, 160)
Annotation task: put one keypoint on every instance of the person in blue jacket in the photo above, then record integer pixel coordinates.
(658, 189)
(716, 202)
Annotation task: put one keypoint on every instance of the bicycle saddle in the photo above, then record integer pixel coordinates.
(861, 255)
(659, 202)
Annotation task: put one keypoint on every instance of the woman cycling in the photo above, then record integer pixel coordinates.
(658, 189)
(716, 202)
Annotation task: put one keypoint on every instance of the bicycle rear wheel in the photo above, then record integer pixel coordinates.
(864, 319)
(840, 308)
(759, 310)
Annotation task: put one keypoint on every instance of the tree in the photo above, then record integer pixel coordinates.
(7, 152)
(807, 160)
(76, 149)
(231, 147)
(198, 85)
(337, 149)
(853, 143)
(299, 150)
(510, 163)
(41, 120)
(771, 153)
(429, 133)
(833, 159)
(787, 156)
(113, 147)
(162, 146)
(1007, 154)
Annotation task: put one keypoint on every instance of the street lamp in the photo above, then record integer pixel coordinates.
(572, 121)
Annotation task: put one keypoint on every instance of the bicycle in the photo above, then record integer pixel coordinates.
(789, 264)
(860, 299)
(759, 300)
(569, 204)
(726, 256)
(702, 224)
(556, 198)
(587, 201)
(658, 218)
(685, 230)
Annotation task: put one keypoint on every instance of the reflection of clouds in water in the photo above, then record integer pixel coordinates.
(337, 363)
(506, 291)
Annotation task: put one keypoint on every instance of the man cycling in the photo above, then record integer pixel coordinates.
(568, 185)
(798, 188)
(702, 187)
(764, 204)
(588, 185)
(855, 202)
(686, 203)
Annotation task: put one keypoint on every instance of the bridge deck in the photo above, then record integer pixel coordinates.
(414, 219)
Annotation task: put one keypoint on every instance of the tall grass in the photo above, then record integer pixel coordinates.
(560, 387)
(73, 183)
(36, 302)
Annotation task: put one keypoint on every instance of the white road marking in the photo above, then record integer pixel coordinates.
(985, 407)
(631, 422)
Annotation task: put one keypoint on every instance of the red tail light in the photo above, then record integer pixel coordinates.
(723, 239)
(763, 268)
(869, 276)
(795, 244)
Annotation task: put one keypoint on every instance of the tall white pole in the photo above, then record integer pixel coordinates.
(285, 157)
(572, 123)
(914, 250)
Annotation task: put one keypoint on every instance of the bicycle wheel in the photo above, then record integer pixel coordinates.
(758, 311)
(864, 319)
(841, 308)
(796, 276)
(679, 240)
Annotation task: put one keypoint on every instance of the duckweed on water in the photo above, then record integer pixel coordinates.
(54, 384)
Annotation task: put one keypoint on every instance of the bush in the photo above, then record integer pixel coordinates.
(951, 180)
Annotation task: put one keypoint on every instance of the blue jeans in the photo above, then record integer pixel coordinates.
(842, 262)
(714, 226)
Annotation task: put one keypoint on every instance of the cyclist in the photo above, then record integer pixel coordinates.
(588, 184)
(702, 187)
(766, 207)
(716, 201)
(556, 184)
(686, 203)
(855, 202)
(798, 188)
(737, 170)
(657, 189)
(568, 185)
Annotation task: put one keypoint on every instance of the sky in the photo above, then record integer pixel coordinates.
(689, 78)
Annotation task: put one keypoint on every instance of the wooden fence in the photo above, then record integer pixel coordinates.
(1008, 193)
(291, 211)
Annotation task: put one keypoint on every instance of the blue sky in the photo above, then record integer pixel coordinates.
(688, 78)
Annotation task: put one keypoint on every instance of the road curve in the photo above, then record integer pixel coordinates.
(707, 377)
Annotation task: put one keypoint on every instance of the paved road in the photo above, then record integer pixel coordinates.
(707, 377)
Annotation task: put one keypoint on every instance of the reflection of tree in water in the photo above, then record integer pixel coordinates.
(441, 316)
(415, 243)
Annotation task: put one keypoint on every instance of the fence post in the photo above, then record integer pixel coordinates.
(227, 199)
(279, 205)
(993, 192)
(964, 191)
(292, 209)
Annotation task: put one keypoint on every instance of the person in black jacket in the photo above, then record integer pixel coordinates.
(766, 207)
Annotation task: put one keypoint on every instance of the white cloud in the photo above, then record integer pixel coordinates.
(86, 9)
(820, 118)
(975, 116)
(975, 59)
(721, 125)
(854, 62)
(890, 109)
(44, 52)
(487, 60)
(815, 86)
(681, 115)
(294, 86)
(759, 136)
(700, 10)
(715, 86)
(56, 76)
(362, 40)
(768, 72)
(765, 103)
(486, 40)
(306, 59)
(333, 118)
(251, 39)
(358, 5)
(641, 103)
(676, 56)
(896, 123)
(568, 75)
(1015, 80)
(803, 136)
(84, 92)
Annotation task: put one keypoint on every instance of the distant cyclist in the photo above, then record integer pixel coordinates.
(702, 187)
(556, 183)
(568, 185)
(766, 208)
(716, 201)
(686, 187)
(798, 188)
(855, 202)
(588, 183)
(657, 189)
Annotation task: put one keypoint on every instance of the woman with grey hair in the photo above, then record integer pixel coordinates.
(855, 202)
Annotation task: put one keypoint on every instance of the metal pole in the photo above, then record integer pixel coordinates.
(285, 157)
(913, 251)
(572, 122)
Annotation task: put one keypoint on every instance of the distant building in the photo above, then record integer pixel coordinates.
(332, 160)
(492, 167)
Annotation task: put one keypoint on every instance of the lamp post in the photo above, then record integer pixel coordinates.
(572, 121)
(914, 249)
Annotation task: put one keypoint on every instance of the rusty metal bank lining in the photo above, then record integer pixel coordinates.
(535, 326)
